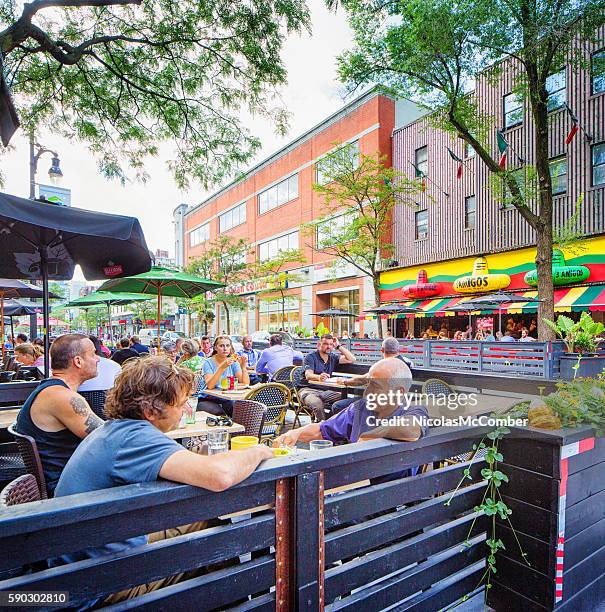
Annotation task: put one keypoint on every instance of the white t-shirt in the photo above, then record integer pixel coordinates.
(107, 370)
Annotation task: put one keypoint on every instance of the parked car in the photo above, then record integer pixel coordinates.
(260, 339)
(149, 336)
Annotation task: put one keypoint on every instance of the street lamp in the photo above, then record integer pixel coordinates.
(35, 152)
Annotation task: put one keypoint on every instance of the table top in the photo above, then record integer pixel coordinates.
(236, 394)
(329, 384)
(200, 428)
(7, 417)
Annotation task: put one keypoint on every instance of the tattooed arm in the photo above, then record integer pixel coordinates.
(77, 416)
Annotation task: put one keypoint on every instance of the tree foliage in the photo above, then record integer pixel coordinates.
(126, 75)
(432, 50)
(359, 195)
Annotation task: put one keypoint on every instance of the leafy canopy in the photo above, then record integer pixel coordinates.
(126, 75)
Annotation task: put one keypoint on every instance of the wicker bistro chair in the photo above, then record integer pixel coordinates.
(251, 415)
(296, 375)
(277, 398)
(11, 462)
(283, 376)
(96, 401)
(20, 491)
(31, 458)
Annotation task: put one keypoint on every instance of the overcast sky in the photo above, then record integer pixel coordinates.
(312, 93)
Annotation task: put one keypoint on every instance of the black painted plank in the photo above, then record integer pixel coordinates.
(216, 590)
(525, 580)
(421, 576)
(543, 458)
(586, 483)
(581, 461)
(540, 554)
(531, 487)
(503, 599)
(114, 527)
(532, 520)
(582, 574)
(583, 544)
(351, 541)
(94, 578)
(592, 598)
(588, 512)
(353, 505)
(264, 603)
(344, 578)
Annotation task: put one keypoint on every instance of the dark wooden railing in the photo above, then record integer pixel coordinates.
(364, 548)
(537, 359)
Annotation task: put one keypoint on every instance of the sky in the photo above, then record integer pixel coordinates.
(312, 93)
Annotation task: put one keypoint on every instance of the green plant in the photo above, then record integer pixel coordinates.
(492, 505)
(579, 402)
(578, 336)
(322, 329)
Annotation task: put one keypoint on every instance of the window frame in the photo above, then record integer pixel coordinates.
(268, 199)
(602, 75)
(417, 226)
(592, 164)
(553, 162)
(229, 214)
(552, 93)
(319, 178)
(506, 113)
(197, 229)
(468, 213)
(420, 164)
(268, 245)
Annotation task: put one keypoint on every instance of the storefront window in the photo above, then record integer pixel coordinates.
(271, 318)
(348, 301)
(238, 321)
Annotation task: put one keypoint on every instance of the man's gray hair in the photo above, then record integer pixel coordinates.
(390, 346)
(169, 346)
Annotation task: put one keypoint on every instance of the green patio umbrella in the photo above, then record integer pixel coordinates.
(162, 281)
(109, 299)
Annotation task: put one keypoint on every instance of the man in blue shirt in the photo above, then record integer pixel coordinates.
(146, 402)
(135, 343)
(276, 356)
(252, 355)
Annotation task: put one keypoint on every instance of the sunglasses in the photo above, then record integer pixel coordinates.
(218, 421)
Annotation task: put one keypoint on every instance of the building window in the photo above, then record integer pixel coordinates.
(558, 175)
(422, 224)
(421, 158)
(598, 164)
(468, 150)
(279, 194)
(555, 86)
(521, 179)
(349, 302)
(268, 250)
(271, 318)
(350, 155)
(470, 212)
(232, 218)
(199, 234)
(513, 110)
(237, 318)
(331, 230)
(597, 71)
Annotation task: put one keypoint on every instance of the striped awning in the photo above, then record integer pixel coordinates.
(570, 299)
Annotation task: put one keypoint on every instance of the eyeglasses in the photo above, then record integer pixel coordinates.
(218, 421)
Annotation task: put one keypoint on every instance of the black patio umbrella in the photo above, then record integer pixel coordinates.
(466, 307)
(46, 241)
(12, 308)
(494, 301)
(393, 309)
(333, 312)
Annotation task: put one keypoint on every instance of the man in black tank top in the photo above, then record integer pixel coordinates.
(54, 414)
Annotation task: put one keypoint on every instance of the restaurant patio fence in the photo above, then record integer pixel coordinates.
(538, 359)
(312, 548)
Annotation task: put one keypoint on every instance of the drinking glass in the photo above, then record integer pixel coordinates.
(320, 444)
(218, 441)
(189, 411)
(224, 383)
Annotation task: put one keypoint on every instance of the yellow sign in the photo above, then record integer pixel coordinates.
(481, 280)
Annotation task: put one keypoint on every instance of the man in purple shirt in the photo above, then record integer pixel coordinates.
(382, 413)
(276, 356)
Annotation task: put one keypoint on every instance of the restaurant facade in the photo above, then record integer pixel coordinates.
(462, 222)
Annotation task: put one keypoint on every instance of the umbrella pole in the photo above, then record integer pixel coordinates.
(12, 333)
(2, 322)
(45, 307)
(159, 314)
(110, 327)
(499, 319)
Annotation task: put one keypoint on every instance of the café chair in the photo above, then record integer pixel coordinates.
(283, 376)
(251, 415)
(296, 375)
(11, 462)
(31, 458)
(22, 490)
(96, 401)
(277, 398)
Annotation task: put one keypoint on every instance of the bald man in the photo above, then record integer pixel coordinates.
(388, 381)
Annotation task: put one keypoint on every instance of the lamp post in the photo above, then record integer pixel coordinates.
(35, 152)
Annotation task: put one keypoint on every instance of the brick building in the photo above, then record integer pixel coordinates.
(270, 202)
(456, 220)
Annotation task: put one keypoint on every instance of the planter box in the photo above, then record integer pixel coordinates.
(590, 366)
(557, 494)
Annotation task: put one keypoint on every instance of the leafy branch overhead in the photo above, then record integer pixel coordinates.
(127, 75)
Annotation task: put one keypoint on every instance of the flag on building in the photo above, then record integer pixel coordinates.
(503, 149)
(420, 174)
(575, 125)
(456, 159)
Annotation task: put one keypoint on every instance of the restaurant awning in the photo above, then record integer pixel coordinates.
(574, 299)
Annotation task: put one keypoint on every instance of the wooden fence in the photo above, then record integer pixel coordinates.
(537, 359)
(365, 548)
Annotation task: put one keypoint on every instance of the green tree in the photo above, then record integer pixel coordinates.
(359, 195)
(144, 310)
(126, 75)
(223, 260)
(57, 289)
(432, 49)
(279, 279)
(201, 307)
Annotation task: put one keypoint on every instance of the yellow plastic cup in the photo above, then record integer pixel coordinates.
(280, 452)
(243, 442)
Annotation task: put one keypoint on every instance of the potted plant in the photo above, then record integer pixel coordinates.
(581, 342)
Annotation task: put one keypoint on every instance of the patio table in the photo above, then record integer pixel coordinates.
(200, 428)
(236, 394)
